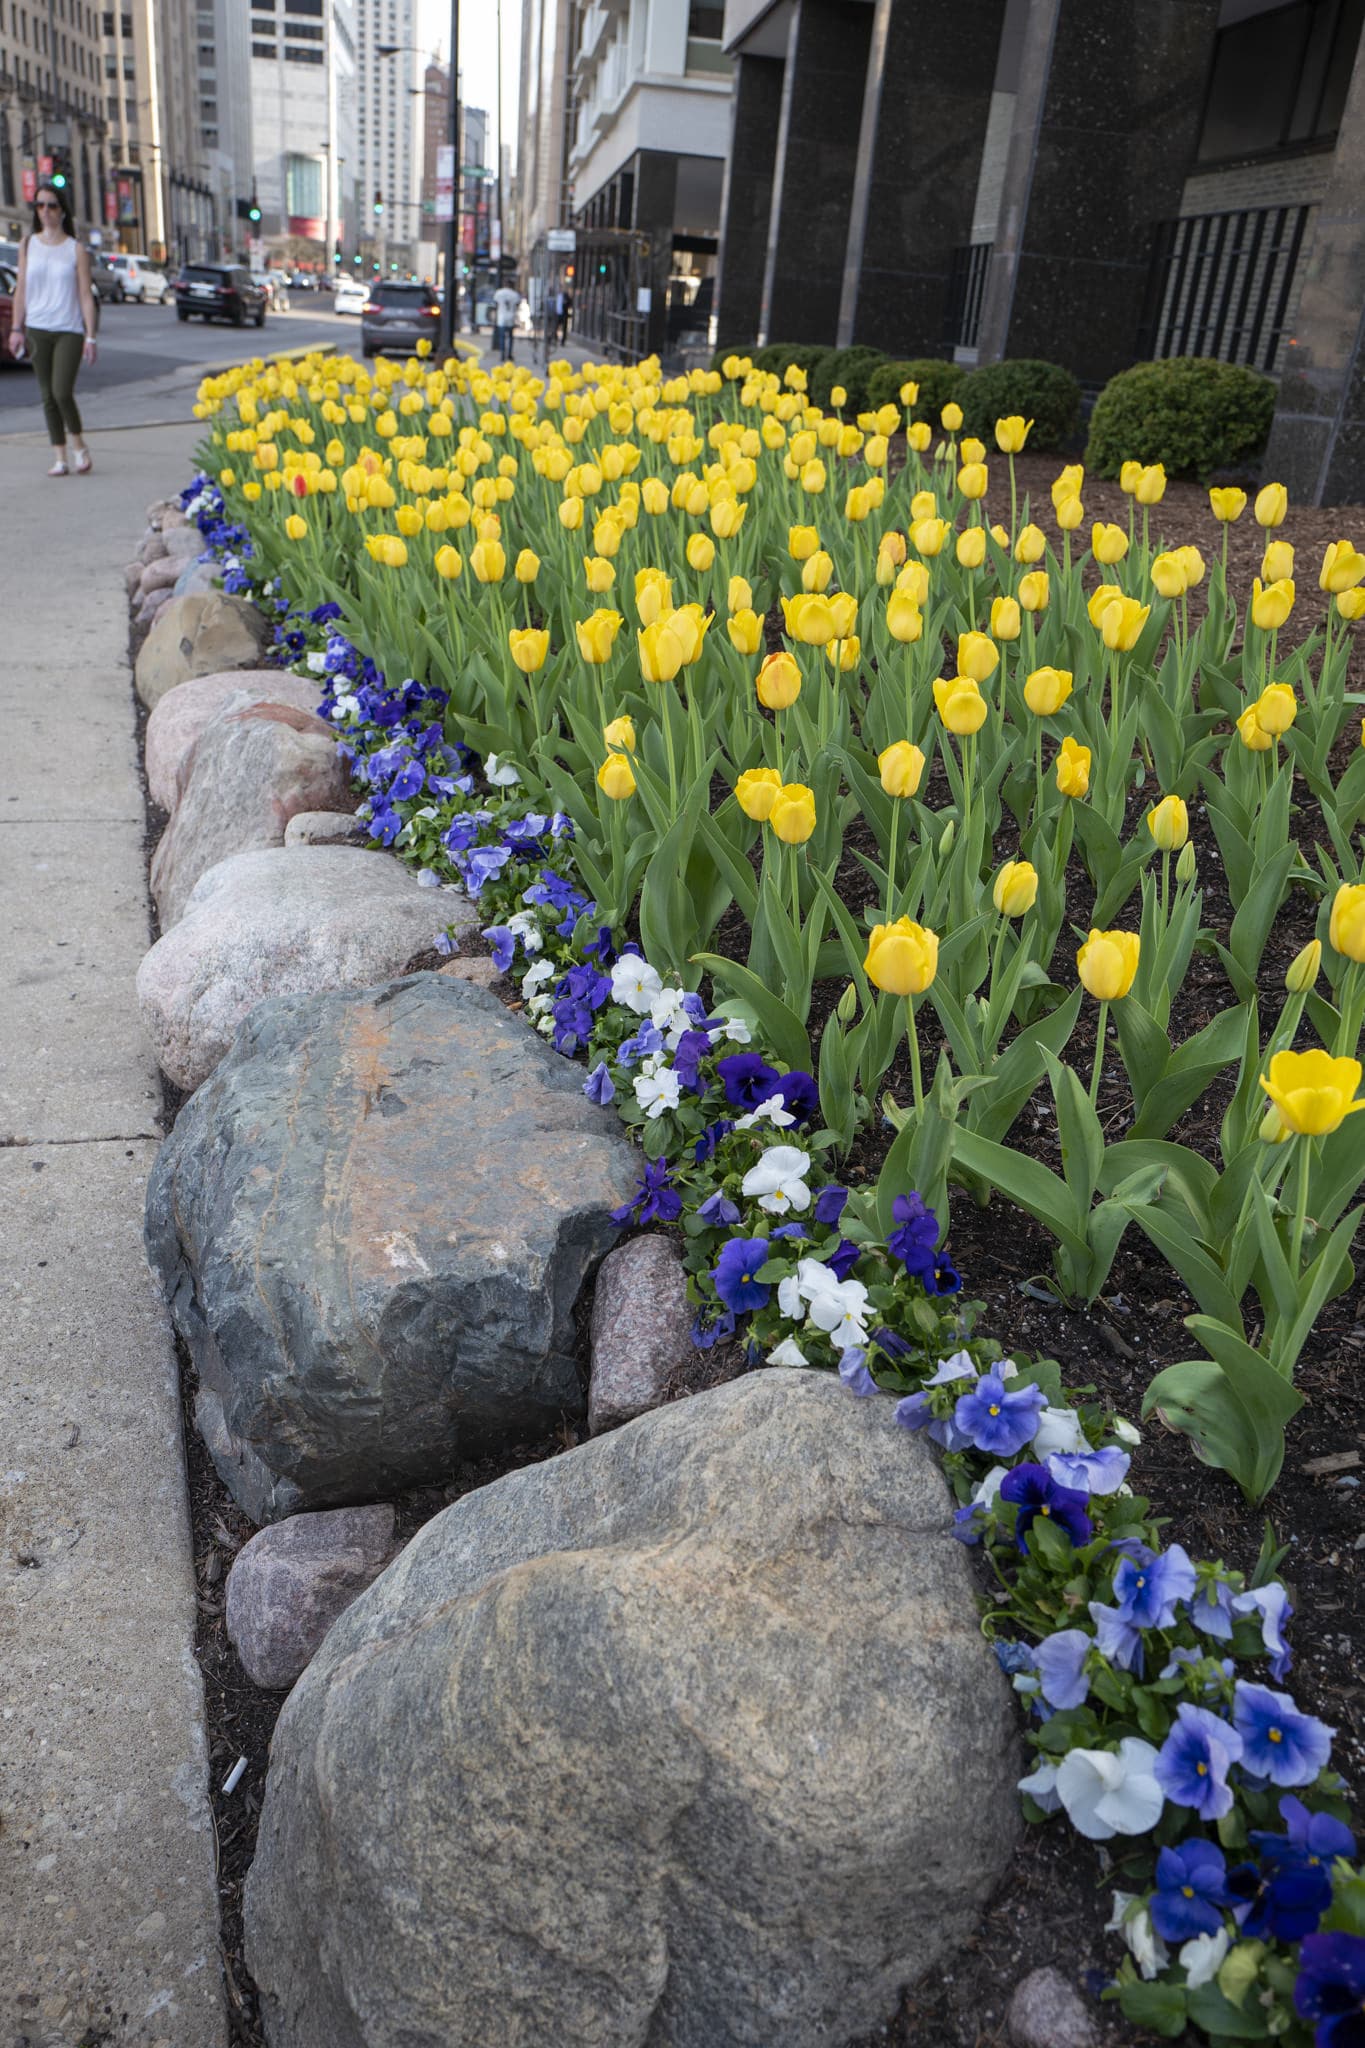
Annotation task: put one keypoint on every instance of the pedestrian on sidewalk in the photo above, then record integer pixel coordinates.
(55, 320)
(505, 303)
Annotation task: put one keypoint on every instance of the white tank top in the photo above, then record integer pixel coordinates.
(51, 300)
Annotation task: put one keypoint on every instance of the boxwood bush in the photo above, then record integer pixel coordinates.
(852, 368)
(938, 382)
(1041, 392)
(1191, 413)
(805, 354)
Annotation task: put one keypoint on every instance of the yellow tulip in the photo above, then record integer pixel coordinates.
(1129, 472)
(1100, 602)
(1070, 514)
(408, 520)
(1108, 543)
(616, 778)
(488, 561)
(1276, 709)
(1150, 487)
(388, 549)
(792, 815)
(1271, 603)
(914, 581)
(778, 682)
(529, 645)
(1034, 591)
(689, 625)
(653, 595)
(1350, 604)
(449, 563)
(1107, 964)
(908, 394)
(757, 791)
(1016, 888)
(1067, 485)
(902, 958)
(227, 478)
(838, 396)
(1011, 433)
(918, 435)
(746, 631)
(1168, 575)
(813, 477)
(1346, 926)
(972, 480)
(960, 704)
(701, 552)
(727, 515)
(1169, 824)
(527, 566)
(892, 545)
(1192, 562)
(571, 514)
(661, 651)
(1342, 567)
(810, 619)
(802, 541)
(1122, 623)
(1073, 768)
(951, 417)
(620, 735)
(929, 535)
(971, 547)
(1006, 623)
(901, 767)
(847, 649)
(1031, 545)
(977, 656)
(1313, 1092)
(251, 491)
(739, 597)
(1227, 502)
(858, 503)
(600, 574)
(654, 496)
(295, 527)
(597, 635)
(1252, 733)
(1272, 502)
(1277, 563)
(904, 620)
(1046, 690)
(816, 571)
(1304, 968)
(924, 505)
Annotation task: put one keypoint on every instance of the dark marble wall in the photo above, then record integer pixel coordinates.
(746, 209)
(1317, 444)
(929, 81)
(817, 157)
(1106, 122)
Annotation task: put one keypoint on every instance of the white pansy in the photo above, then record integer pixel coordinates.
(1203, 1957)
(345, 706)
(1041, 1786)
(789, 1298)
(317, 662)
(985, 1491)
(958, 1367)
(666, 1014)
(500, 773)
(773, 1111)
(1007, 1370)
(1111, 1793)
(779, 1180)
(1059, 1429)
(1126, 1432)
(840, 1311)
(537, 975)
(526, 925)
(635, 983)
(788, 1352)
(1145, 1945)
(657, 1088)
(737, 1031)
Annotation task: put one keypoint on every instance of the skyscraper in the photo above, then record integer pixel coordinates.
(389, 125)
(303, 95)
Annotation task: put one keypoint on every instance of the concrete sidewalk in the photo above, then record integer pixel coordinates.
(108, 1902)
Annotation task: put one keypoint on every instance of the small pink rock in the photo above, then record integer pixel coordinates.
(291, 1581)
(641, 1330)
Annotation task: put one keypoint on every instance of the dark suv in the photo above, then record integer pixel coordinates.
(399, 316)
(220, 291)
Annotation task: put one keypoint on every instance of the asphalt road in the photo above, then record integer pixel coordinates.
(149, 362)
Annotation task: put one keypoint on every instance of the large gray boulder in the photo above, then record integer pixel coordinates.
(685, 1739)
(288, 920)
(372, 1225)
(198, 636)
(181, 715)
(252, 768)
(291, 1581)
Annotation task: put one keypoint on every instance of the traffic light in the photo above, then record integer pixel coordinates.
(58, 177)
(379, 202)
(253, 212)
(601, 270)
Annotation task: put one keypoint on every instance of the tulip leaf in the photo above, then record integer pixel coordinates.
(782, 1028)
(1200, 1273)
(1027, 1183)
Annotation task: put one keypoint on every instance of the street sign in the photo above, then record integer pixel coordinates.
(560, 241)
(445, 181)
(30, 185)
(45, 167)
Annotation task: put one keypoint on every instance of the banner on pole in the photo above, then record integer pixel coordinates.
(445, 181)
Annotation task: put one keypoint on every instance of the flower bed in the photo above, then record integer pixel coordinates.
(886, 836)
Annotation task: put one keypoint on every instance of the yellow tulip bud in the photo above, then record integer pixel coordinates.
(616, 778)
(810, 619)
(1071, 514)
(596, 635)
(816, 571)
(1006, 623)
(1108, 543)
(1046, 690)
(571, 514)
(1067, 485)
(1272, 603)
(227, 478)
(1031, 545)
(1168, 575)
(1129, 472)
(1107, 964)
(951, 417)
(701, 552)
(1011, 434)
(914, 581)
(1276, 709)
(1313, 1092)
(1272, 1130)
(1151, 485)
(904, 620)
(1186, 868)
(620, 735)
(1252, 733)
(1346, 926)
(529, 646)
(1342, 567)
(746, 631)
(527, 566)
(977, 656)
(792, 815)
(802, 541)
(901, 767)
(778, 682)
(908, 394)
(1277, 563)
(740, 596)
(1227, 502)
(661, 651)
(1034, 591)
(919, 435)
(1169, 824)
(757, 791)
(972, 480)
(1016, 888)
(971, 547)
(1073, 768)
(960, 704)
(1350, 604)
(1272, 502)
(902, 958)
(599, 573)
(1122, 623)
(488, 561)
(295, 527)
(1304, 968)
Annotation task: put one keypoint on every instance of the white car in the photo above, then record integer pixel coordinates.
(142, 280)
(352, 295)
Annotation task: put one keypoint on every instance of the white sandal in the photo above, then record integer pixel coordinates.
(84, 464)
(59, 468)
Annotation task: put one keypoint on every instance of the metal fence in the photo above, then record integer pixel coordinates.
(966, 289)
(1222, 285)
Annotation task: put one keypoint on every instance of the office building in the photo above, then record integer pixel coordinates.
(304, 130)
(52, 111)
(389, 130)
(224, 63)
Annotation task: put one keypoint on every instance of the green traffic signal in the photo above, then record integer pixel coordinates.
(58, 179)
(253, 213)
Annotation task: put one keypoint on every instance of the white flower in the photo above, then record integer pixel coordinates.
(427, 878)
(635, 983)
(788, 1352)
(500, 773)
(539, 972)
(666, 1014)
(985, 1491)
(1148, 1950)
(1041, 1783)
(345, 706)
(1202, 1958)
(317, 662)
(779, 1180)
(1126, 1433)
(958, 1367)
(737, 1031)
(773, 1111)
(526, 925)
(1059, 1429)
(656, 1092)
(789, 1299)
(839, 1311)
(1111, 1794)
(1007, 1369)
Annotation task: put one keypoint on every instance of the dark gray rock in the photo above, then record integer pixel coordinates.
(685, 1739)
(1047, 2012)
(289, 1583)
(641, 1330)
(372, 1224)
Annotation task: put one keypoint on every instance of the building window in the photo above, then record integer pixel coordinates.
(263, 50)
(1278, 80)
(304, 186)
(310, 31)
(705, 24)
(297, 56)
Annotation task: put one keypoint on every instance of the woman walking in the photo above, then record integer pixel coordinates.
(54, 319)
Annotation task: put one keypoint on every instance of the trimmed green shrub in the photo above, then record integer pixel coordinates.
(938, 382)
(805, 354)
(1191, 413)
(1038, 391)
(851, 367)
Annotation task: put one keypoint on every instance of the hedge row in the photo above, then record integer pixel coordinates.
(1192, 413)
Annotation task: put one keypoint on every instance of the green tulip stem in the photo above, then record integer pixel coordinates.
(1099, 1053)
(1225, 556)
(1066, 552)
(1349, 1011)
(891, 861)
(1038, 790)
(672, 759)
(796, 892)
(1301, 1204)
(909, 690)
(777, 724)
(968, 764)
(912, 1037)
(1013, 508)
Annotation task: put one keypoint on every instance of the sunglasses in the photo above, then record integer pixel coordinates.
(49, 206)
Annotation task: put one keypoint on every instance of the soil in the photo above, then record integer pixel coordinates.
(1053, 1904)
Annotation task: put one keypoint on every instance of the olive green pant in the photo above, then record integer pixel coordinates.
(56, 359)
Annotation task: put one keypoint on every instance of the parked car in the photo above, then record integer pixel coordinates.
(142, 280)
(398, 316)
(8, 280)
(105, 280)
(276, 287)
(220, 291)
(9, 256)
(352, 295)
(304, 281)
